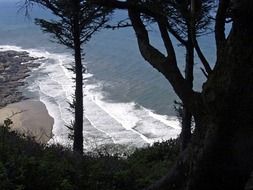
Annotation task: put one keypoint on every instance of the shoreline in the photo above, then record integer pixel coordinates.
(15, 67)
(128, 130)
(29, 116)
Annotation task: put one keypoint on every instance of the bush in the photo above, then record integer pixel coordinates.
(26, 165)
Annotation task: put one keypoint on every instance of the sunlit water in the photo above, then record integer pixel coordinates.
(125, 100)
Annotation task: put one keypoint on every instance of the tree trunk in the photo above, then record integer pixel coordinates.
(186, 115)
(226, 159)
(78, 126)
(220, 155)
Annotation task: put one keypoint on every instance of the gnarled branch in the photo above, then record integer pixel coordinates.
(220, 36)
(166, 65)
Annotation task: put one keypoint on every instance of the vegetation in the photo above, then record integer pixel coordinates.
(187, 20)
(76, 22)
(24, 164)
(221, 110)
(219, 155)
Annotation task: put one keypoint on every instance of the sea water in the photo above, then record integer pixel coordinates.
(126, 101)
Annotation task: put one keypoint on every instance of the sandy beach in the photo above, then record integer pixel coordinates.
(31, 118)
(28, 116)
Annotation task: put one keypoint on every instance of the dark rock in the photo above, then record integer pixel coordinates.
(14, 68)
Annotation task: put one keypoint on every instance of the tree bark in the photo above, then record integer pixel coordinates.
(228, 160)
(186, 115)
(220, 155)
(78, 125)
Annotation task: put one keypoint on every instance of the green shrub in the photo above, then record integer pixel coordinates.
(26, 165)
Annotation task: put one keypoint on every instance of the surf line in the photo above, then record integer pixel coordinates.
(93, 125)
(131, 129)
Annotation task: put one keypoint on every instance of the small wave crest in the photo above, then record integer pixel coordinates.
(123, 123)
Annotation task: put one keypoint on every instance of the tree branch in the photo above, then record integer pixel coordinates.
(112, 3)
(127, 5)
(176, 35)
(166, 39)
(220, 36)
(47, 4)
(121, 24)
(166, 65)
(202, 57)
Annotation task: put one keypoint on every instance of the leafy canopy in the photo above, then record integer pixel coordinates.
(90, 18)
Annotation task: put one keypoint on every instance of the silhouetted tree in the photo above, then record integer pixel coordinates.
(186, 20)
(76, 22)
(220, 154)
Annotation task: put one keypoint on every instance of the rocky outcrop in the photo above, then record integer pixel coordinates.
(14, 68)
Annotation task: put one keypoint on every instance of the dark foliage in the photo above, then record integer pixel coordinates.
(27, 165)
(179, 13)
(90, 19)
(76, 21)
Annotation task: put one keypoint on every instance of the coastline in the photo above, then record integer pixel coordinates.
(29, 117)
(15, 67)
(105, 122)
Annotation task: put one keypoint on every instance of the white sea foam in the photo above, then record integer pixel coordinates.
(124, 123)
(150, 126)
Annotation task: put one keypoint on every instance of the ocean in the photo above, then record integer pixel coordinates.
(126, 101)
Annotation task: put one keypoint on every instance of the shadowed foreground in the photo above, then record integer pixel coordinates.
(25, 164)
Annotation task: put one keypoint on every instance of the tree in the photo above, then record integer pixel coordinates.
(220, 154)
(76, 22)
(186, 20)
